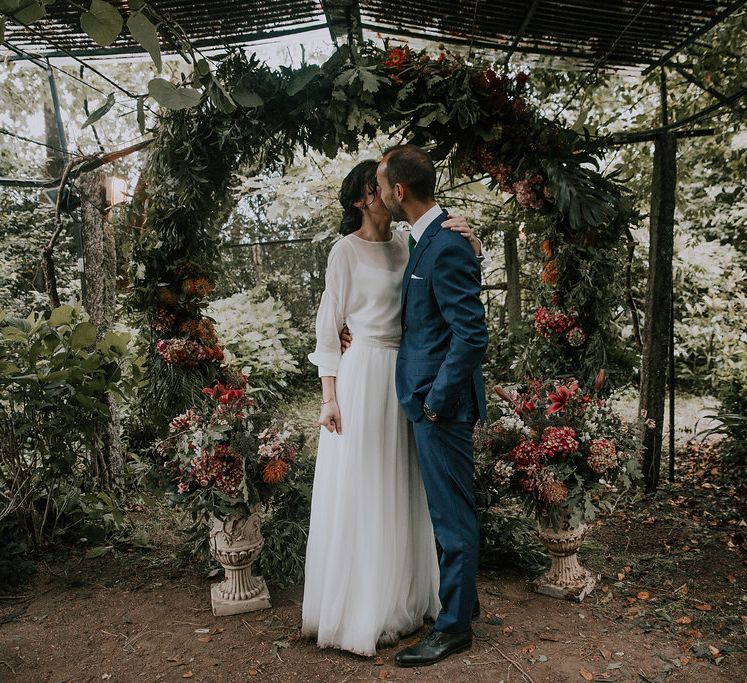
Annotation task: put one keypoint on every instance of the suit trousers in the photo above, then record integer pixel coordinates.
(446, 465)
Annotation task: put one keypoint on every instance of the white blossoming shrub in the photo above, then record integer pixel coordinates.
(256, 332)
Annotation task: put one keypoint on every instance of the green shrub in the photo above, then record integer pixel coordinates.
(56, 383)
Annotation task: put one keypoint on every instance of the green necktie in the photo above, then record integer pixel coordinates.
(411, 243)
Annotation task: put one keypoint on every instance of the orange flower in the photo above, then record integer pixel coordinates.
(274, 471)
(198, 286)
(550, 272)
(201, 329)
(546, 248)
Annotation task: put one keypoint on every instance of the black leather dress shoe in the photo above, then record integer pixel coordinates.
(476, 610)
(436, 646)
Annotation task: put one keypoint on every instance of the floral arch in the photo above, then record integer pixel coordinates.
(477, 122)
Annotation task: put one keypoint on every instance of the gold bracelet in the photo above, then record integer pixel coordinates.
(329, 400)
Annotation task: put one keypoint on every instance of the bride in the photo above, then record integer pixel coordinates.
(372, 572)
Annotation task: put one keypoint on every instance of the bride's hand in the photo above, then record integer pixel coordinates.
(457, 223)
(330, 417)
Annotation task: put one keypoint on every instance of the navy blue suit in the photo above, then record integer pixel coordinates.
(444, 338)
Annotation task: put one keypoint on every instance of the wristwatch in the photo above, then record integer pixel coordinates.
(431, 414)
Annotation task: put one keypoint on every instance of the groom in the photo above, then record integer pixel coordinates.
(440, 386)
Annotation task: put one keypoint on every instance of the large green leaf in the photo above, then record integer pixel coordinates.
(102, 22)
(244, 94)
(100, 112)
(171, 97)
(62, 315)
(144, 32)
(302, 78)
(84, 334)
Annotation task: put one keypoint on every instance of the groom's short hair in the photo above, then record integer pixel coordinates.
(413, 167)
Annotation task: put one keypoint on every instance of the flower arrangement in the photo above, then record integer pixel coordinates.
(220, 461)
(560, 448)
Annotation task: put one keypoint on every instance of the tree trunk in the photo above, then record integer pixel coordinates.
(513, 293)
(658, 305)
(100, 267)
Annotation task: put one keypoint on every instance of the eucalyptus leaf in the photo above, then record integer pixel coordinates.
(27, 12)
(141, 114)
(144, 32)
(100, 112)
(171, 97)
(102, 23)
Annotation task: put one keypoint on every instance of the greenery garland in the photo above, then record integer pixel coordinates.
(243, 115)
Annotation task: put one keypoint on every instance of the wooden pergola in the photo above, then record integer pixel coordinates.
(632, 35)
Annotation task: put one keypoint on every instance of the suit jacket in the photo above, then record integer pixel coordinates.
(444, 335)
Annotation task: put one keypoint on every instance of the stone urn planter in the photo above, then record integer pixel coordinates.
(565, 578)
(235, 542)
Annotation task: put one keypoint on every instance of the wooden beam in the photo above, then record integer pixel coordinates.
(658, 305)
(693, 37)
(520, 33)
(343, 20)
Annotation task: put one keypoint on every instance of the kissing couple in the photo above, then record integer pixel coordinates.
(394, 533)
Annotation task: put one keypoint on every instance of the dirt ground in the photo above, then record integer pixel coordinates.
(671, 607)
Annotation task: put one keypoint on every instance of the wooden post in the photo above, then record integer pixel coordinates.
(513, 292)
(658, 304)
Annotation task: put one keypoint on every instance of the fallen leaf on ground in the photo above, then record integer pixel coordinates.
(383, 675)
(605, 652)
(731, 578)
(187, 674)
(627, 569)
(204, 639)
(605, 589)
(586, 675)
(682, 590)
(683, 620)
(379, 661)
(703, 607)
(252, 672)
(684, 660)
(620, 576)
(644, 595)
(507, 630)
(631, 601)
(528, 649)
(220, 629)
(714, 651)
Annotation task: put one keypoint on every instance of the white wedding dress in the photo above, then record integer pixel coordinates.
(371, 567)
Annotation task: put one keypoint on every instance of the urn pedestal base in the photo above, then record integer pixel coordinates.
(566, 578)
(583, 584)
(236, 541)
(223, 607)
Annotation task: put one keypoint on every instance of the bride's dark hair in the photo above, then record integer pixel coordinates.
(353, 188)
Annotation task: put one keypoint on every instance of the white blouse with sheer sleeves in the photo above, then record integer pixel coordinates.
(363, 287)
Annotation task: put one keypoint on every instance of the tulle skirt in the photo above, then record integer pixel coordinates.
(371, 567)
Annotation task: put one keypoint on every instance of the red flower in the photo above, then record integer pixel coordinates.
(560, 397)
(396, 58)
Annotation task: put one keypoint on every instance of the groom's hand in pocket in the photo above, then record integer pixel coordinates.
(330, 417)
